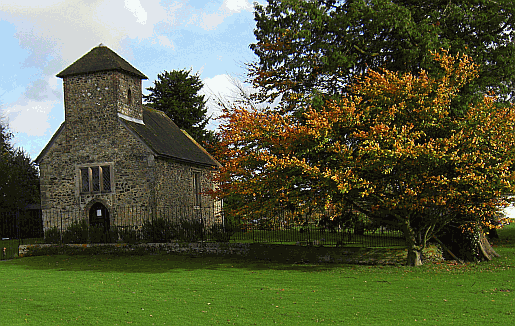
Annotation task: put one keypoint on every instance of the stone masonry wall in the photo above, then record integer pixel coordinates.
(129, 96)
(90, 104)
(175, 187)
(132, 173)
(93, 135)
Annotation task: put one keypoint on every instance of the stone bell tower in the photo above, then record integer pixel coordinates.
(98, 88)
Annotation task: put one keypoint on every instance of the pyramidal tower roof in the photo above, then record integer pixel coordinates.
(100, 58)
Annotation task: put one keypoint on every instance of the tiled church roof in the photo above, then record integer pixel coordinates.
(163, 136)
(100, 58)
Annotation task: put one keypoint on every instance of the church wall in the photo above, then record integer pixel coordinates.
(94, 144)
(129, 100)
(93, 136)
(177, 185)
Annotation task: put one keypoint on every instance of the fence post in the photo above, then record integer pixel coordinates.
(60, 216)
(18, 233)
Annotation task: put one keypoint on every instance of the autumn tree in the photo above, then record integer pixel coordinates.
(176, 93)
(310, 51)
(395, 150)
(314, 48)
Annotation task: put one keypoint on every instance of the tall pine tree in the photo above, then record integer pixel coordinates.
(176, 93)
(316, 47)
(19, 177)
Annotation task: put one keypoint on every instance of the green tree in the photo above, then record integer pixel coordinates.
(19, 177)
(317, 47)
(177, 94)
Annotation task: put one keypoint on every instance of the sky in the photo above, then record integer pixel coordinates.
(42, 37)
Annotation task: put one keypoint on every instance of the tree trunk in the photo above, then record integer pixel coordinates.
(465, 247)
(414, 257)
(486, 249)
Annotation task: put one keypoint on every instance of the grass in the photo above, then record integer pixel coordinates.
(182, 290)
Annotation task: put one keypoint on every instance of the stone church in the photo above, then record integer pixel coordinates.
(112, 155)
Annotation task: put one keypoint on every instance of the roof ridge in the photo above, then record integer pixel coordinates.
(100, 58)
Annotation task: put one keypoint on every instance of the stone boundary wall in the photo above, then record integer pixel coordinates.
(288, 254)
(240, 249)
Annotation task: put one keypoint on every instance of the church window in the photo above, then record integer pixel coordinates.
(95, 178)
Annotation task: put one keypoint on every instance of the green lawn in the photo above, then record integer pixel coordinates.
(180, 290)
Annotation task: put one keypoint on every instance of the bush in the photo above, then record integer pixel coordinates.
(220, 233)
(97, 234)
(53, 235)
(128, 235)
(190, 231)
(82, 232)
(77, 232)
(158, 230)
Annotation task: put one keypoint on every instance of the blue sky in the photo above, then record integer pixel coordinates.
(42, 37)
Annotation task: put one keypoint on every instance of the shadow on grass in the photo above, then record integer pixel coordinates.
(277, 257)
(157, 263)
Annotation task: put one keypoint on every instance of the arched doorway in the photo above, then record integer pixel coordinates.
(99, 223)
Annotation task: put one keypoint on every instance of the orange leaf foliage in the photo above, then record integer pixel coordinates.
(397, 144)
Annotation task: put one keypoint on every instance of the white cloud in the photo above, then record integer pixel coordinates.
(67, 29)
(210, 20)
(164, 41)
(237, 5)
(137, 10)
(30, 117)
(220, 86)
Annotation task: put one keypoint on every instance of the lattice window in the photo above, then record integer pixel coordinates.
(106, 178)
(84, 179)
(94, 179)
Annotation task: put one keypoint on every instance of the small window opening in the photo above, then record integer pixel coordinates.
(84, 174)
(129, 96)
(106, 179)
(197, 188)
(95, 176)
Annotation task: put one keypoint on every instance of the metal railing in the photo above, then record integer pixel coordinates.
(132, 224)
(17, 228)
(185, 224)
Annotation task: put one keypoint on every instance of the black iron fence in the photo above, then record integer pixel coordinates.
(133, 224)
(316, 236)
(316, 228)
(17, 228)
(185, 224)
